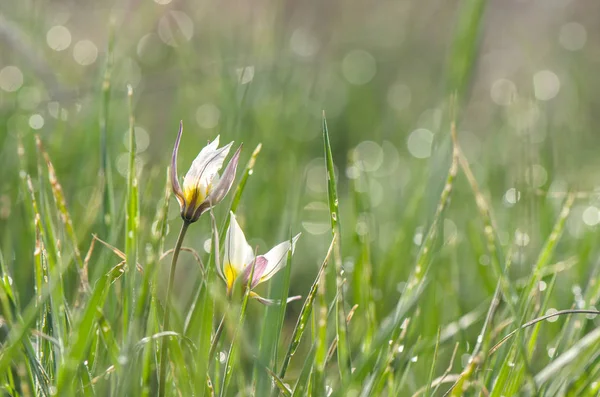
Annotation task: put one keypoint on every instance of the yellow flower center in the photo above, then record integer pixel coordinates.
(230, 275)
(195, 195)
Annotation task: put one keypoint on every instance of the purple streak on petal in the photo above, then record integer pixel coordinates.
(259, 268)
(174, 180)
(202, 208)
(219, 191)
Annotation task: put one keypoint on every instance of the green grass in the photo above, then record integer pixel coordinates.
(419, 275)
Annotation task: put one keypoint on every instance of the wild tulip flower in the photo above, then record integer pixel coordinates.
(202, 185)
(202, 189)
(238, 260)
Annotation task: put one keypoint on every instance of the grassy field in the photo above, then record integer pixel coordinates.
(438, 160)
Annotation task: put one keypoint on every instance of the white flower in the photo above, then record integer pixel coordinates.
(239, 258)
(202, 186)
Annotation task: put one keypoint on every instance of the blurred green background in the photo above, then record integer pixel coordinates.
(263, 72)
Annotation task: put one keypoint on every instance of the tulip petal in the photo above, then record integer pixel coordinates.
(276, 257)
(226, 180)
(238, 253)
(174, 178)
(270, 302)
(259, 270)
(204, 167)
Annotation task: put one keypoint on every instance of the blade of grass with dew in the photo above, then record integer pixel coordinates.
(574, 354)
(542, 262)
(11, 310)
(83, 329)
(304, 315)
(527, 296)
(155, 253)
(496, 255)
(59, 306)
(464, 47)
(362, 273)
(65, 217)
(503, 378)
(572, 331)
(44, 349)
(269, 339)
(333, 345)
(344, 363)
(432, 367)
(201, 316)
(108, 337)
(279, 383)
(181, 369)
(496, 258)
(395, 350)
(131, 224)
(415, 285)
(147, 299)
(318, 386)
(108, 205)
(55, 315)
(303, 383)
(149, 353)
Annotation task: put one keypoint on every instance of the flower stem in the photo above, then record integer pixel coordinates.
(165, 343)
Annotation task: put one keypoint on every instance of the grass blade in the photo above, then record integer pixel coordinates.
(341, 328)
(131, 223)
(304, 316)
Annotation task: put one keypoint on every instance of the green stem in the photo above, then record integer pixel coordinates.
(165, 344)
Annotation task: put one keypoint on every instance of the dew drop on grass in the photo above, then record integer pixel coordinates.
(549, 312)
(511, 197)
(250, 172)
(222, 357)
(551, 351)
(414, 359)
(400, 348)
(207, 244)
(401, 286)
(52, 390)
(542, 286)
(418, 237)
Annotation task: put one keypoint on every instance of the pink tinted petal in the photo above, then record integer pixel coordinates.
(259, 269)
(174, 179)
